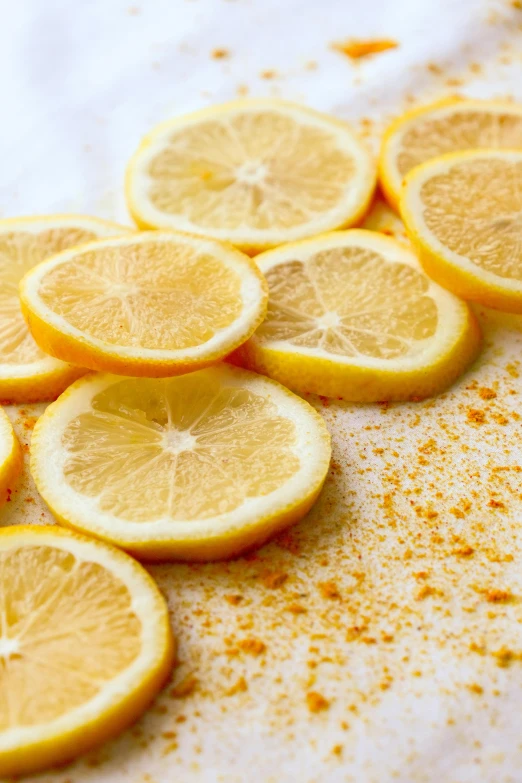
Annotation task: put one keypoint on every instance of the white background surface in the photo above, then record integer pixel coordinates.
(81, 83)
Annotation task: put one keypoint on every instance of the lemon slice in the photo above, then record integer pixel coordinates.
(463, 212)
(154, 304)
(10, 456)
(197, 467)
(448, 126)
(26, 373)
(85, 644)
(254, 172)
(352, 315)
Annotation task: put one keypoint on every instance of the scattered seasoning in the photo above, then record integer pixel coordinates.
(476, 416)
(476, 688)
(274, 579)
(220, 54)
(184, 687)
(329, 589)
(268, 74)
(362, 48)
(252, 646)
(316, 702)
(240, 687)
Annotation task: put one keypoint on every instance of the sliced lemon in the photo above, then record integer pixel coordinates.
(352, 315)
(26, 373)
(254, 172)
(197, 467)
(448, 126)
(85, 644)
(463, 213)
(153, 304)
(10, 456)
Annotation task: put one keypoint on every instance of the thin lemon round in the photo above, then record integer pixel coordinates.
(10, 457)
(463, 214)
(27, 374)
(198, 467)
(152, 304)
(85, 645)
(256, 173)
(451, 125)
(352, 315)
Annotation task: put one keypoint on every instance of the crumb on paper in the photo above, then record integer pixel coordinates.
(316, 702)
(311, 65)
(476, 416)
(239, 687)
(242, 90)
(220, 54)
(184, 687)
(133, 10)
(274, 579)
(474, 687)
(356, 49)
(252, 646)
(269, 73)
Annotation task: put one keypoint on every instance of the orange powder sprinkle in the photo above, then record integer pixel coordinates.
(220, 54)
(252, 646)
(329, 589)
(185, 687)
(240, 687)
(316, 702)
(356, 48)
(274, 579)
(476, 416)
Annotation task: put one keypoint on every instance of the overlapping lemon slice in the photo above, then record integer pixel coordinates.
(463, 212)
(254, 172)
(27, 374)
(448, 126)
(197, 467)
(10, 456)
(352, 315)
(85, 644)
(150, 304)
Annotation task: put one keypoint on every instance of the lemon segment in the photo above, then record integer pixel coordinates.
(256, 173)
(10, 456)
(352, 315)
(198, 467)
(463, 214)
(27, 374)
(151, 304)
(85, 644)
(451, 125)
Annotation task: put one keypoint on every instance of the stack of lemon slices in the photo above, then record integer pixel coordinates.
(166, 450)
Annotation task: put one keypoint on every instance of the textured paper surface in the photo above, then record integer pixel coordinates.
(380, 639)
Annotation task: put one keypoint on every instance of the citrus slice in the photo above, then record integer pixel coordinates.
(85, 644)
(448, 126)
(26, 373)
(10, 456)
(254, 172)
(196, 468)
(152, 304)
(352, 315)
(463, 212)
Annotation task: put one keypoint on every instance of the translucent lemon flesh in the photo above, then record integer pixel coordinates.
(183, 449)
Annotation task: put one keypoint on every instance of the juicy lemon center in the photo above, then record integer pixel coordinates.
(19, 252)
(262, 170)
(349, 302)
(475, 209)
(66, 627)
(179, 449)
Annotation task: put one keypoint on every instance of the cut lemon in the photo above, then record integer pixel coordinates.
(85, 644)
(449, 126)
(352, 315)
(463, 212)
(254, 172)
(151, 304)
(10, 456)
(197, 467)
(26, 373)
